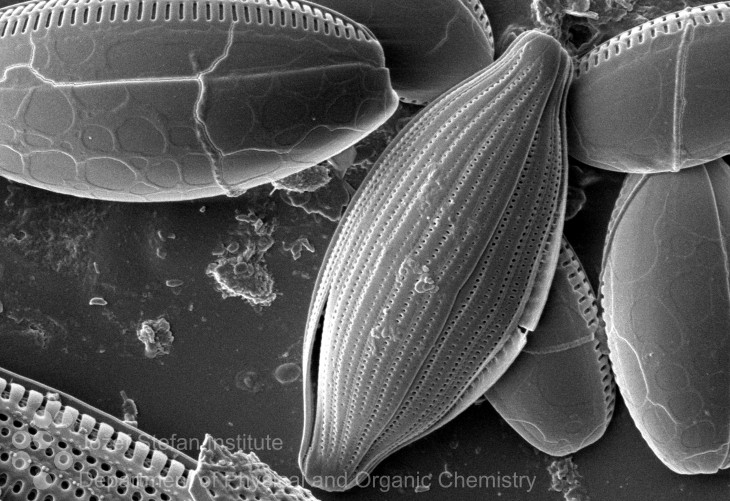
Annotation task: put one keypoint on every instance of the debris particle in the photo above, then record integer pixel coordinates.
(156, 336)
(249, 381)
(174, 282)
(564, 477)
(129, 409)
(97, 301)
(296, 247)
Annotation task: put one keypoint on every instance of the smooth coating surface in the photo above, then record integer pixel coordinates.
(447, 250)
(655, 98)
(155, 101)
(559, 393)
(429, 46)
(666, 296)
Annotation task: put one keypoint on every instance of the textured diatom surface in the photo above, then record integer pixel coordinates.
(655, 98)
(439, 266)
(559, 393)
(666, 295)
(51, 451)
(429, 46)
(153, 101)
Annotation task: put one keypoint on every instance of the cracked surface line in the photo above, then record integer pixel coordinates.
(211, 150)
(680, 101)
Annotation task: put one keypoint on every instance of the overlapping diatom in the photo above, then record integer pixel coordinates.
(439, 266)
(429, 46)
(152, 101)
(666, 296)
(559, 393)
(655, 98)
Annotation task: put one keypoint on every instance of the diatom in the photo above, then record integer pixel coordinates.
(50, 450)
(153, 101)
(429, 46)
(222, 474)
(666, 296)
(63, 449)
(655, 98)
(468, 202)
(559, 393)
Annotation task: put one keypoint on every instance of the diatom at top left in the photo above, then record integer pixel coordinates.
(156, 101)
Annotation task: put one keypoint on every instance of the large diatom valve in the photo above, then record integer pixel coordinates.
(667, 309)
(655, 98)
(154, 101)
(559, 394)
(429, 46)
(439, 266)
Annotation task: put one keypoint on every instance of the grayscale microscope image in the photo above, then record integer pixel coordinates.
(354, 250)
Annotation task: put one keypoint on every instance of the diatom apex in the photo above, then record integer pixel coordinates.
(152, 101)
(666, 297)
(655, 98)
(559, 393)
(429, 46)
(439, 266)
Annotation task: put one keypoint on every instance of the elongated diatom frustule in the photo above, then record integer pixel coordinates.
(429, 46)
(151, 101)
(559, 393)
(447, 250)
(666, 296)
(655, 98)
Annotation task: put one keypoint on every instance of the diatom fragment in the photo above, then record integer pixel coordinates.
(429, 46)
(223, 475)
(666, 296)
(151, 101)
(65, 450)
(468, 202)
(655, 98)
(559, 393)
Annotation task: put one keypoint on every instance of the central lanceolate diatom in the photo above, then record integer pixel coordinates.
(447, 251)
(152, 101)
(655, 98)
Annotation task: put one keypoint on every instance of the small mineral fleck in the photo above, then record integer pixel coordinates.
(97, 301)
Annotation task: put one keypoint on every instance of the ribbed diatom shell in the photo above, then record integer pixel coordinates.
(51, 451)
(151, 101)
(655, 98)
(447, 250)
(559, 394)
(429, 46)
(666, 296)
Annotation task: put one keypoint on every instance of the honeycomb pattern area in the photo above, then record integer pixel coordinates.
(666, 296)
(429, 46)
(147, 100)
(655, 98)
(448, 247)
(559, 393)
(52, 452)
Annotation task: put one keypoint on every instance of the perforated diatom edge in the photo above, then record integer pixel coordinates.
(478, 11)
(16, 19)
(579, 282)
(715, 13)
(24, 403)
